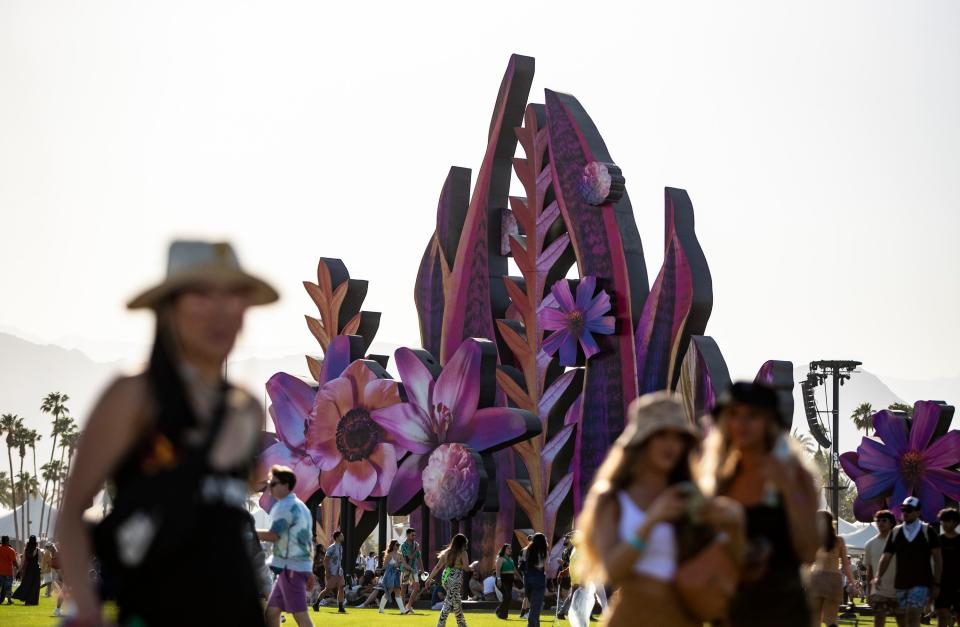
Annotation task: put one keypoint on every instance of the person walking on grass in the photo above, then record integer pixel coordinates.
(391, 576)
(452, 561)
(291, 527)
(505, 569)
(948, 601)
(916, 546)
(882, 596)
(411, 565)
(333, 567)
(8, 564)
(178, 442)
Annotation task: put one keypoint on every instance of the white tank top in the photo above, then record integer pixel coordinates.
(659, 558)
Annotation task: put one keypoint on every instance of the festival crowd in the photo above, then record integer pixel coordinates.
(683, 525)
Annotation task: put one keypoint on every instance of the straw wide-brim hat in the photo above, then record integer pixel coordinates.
(191, 263)
(653, 413)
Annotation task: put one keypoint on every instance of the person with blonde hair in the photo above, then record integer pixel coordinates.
(179, 443)
(636, 516)
(748, 457)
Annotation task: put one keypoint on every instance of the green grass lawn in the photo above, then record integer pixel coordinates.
(18, 615)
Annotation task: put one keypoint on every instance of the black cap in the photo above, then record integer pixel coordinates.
(754, 395)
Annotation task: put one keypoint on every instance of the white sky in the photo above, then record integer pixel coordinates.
(820, 144)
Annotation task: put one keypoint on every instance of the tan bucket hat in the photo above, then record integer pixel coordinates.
(190, 262)
(652, 413)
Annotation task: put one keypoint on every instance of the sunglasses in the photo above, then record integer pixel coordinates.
(906, 509)
(273, 483)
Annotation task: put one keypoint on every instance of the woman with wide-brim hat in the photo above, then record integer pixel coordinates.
(636, 517)
(178, 443)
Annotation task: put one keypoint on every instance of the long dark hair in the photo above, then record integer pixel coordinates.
(503, 550)
(828, 535)
(173, 409)
(537, 551)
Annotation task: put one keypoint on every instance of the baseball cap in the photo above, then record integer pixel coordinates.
(911, 501)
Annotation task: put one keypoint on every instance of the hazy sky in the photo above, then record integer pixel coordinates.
(820, 144)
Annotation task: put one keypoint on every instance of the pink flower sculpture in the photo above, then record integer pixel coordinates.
(575, 321)
(451, 481)
(905, 461)
(344, 439)
(446, 409)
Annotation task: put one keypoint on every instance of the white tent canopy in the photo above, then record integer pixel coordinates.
(857, 540)
(6, 519)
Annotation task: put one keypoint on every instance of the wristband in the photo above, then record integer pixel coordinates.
(638, 543)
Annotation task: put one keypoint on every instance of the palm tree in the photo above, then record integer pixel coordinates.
(862, 417)
(5, 488)
(68, 441)
(28, 487)
(805, 440)
(31, 437)
(55, 405)
(22, 434)
(11, 424)
(907, 409)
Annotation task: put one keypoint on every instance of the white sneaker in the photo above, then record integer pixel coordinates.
(57, 612)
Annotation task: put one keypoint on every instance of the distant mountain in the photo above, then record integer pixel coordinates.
(30, 370)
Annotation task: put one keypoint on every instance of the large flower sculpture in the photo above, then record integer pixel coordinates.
(344, 439)
(905, 461)
(291, 401)
(575, 321)
(445, 426)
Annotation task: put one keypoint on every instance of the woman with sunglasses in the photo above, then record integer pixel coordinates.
(178, 442)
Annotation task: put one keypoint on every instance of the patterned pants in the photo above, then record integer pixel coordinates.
(451, 603)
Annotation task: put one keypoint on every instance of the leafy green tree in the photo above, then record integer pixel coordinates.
(54, 404)
(11, 424)
(862, 417)
(68, 442)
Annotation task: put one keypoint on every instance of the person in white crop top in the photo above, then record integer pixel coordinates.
(641, 489)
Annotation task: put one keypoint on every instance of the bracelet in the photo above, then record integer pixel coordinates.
(638, 543)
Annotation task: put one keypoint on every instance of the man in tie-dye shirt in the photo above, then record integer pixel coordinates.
(290, 532)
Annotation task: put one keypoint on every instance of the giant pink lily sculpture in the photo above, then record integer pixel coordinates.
(904, 462)
(446, 424)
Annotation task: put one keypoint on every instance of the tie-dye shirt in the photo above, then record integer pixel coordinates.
(291, 521)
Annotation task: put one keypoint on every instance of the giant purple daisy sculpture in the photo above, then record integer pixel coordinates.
(447, 424)
(905, 459)
(574, 321)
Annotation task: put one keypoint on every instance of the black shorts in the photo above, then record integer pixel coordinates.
(949, 597)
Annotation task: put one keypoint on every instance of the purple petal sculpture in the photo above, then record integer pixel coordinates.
(575, 321)
(441, 411)
(291, 403)
(906, 458)
(343, 436)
